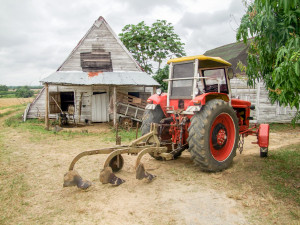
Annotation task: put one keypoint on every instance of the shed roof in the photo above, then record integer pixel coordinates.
(232, 53)
(100, 78)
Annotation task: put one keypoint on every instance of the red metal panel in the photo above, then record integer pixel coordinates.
(263, 135)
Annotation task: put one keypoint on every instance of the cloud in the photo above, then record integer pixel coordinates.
(210, 29)
(37, 36)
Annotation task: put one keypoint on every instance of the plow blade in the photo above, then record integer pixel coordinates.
(72, 178)
(107, 176)
(141, 173)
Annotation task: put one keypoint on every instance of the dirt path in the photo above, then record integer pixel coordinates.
(181, 194)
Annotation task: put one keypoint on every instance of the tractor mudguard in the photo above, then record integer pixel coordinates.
(202, 99)
(158, 100)
(263, 135)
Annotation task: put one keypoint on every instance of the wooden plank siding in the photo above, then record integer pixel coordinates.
(37, 108)
(265, 112)
(102, 36)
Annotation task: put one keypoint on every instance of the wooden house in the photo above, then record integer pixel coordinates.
(265, 112)
(89, 79)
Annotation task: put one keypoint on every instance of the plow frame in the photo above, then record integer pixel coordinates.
(148, 143)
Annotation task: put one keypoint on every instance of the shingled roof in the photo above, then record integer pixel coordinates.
(232, 53)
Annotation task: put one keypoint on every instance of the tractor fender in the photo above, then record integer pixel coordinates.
(263, 135)
(202, 99)
(155, 100)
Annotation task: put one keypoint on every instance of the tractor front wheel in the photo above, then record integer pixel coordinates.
(214, 136)
(151, 116)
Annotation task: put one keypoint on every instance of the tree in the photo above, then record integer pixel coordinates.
(151, 43)
(24, 92)
(274, 49)
(3, 87)
(162, 74)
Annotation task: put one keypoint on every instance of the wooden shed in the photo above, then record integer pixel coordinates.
(97, 69)
(265, 112)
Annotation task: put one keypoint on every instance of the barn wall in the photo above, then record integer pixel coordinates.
(264, 111)
(37, 108)
(103, 37)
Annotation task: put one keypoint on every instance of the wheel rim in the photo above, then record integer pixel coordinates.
(222, 137)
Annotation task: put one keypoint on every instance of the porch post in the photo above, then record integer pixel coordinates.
(115, 104)
(154, 90)
(47, 107)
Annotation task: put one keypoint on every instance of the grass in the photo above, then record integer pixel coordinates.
(283, 127)
(12, 109)
(38, 132)
(13, 106)
(270, 187)
(282, 172)
(13, 186)
(126, 136)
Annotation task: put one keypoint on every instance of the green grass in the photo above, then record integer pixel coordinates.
(12, 109)
(282, 172)
(38, 132)
(19, 106)
(283, 127)
(126, 136)
(13, 186)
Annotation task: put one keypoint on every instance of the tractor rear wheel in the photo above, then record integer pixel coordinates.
(213, 136)
(151, 116)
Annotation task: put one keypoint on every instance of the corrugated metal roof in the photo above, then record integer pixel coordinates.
(102, 78)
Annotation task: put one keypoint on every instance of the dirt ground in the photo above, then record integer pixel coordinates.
(181, 193)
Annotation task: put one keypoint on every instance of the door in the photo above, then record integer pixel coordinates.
(99, 107)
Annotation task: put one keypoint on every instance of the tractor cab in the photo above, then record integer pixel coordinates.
(190, 77)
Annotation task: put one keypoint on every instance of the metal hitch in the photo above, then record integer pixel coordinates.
(148, 143)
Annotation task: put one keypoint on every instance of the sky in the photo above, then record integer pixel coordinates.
(36, 36)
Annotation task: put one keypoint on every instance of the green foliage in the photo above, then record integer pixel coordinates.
(274, 50)
(3, 87)
(151, 43)
(24, 92)
(162, 74)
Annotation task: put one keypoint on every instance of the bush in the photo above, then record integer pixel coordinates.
(24, 92)
(3, 87)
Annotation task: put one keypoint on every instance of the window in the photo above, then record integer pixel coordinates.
(182, 88)
(215, 77)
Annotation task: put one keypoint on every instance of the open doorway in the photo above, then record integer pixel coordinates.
(61, 99)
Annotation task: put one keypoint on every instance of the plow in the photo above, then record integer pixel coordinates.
(197, 114)
(115, 161)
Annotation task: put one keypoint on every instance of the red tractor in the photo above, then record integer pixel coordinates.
(197, 114)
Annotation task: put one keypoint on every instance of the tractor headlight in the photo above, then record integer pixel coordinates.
(197, 92)
(158, 91)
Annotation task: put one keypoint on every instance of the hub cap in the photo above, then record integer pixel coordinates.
(222, 137)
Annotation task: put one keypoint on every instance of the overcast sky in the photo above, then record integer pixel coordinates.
(36, 36)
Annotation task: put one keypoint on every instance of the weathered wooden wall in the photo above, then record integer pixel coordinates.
(101, 34)
(264, 111)
(37, 108)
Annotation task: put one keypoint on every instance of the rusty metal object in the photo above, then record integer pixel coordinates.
(72, 178)
(126, 123)
(141, 173)
(148, 143)
(107, 176)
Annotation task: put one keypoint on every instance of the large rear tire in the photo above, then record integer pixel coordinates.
(213, 136)
(151, 116)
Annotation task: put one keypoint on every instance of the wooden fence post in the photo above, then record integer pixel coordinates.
(47, 106)
(115, 104)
